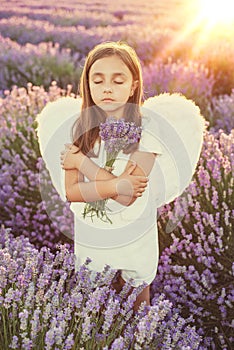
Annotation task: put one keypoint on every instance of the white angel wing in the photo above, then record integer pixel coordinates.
(54, 130)
(173, 128)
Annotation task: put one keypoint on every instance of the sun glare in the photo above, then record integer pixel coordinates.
(217, 11)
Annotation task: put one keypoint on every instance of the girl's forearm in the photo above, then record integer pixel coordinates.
(100, 174)
(76, 187)
(91, 191)
(92, 171)
(95, 173)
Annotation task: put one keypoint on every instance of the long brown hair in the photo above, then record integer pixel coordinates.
(86, 128)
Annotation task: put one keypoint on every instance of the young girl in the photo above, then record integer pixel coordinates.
(111, 86)
(147, 174)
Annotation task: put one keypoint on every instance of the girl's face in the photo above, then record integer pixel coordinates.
(111, 84)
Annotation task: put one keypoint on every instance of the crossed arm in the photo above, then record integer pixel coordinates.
(125, 188)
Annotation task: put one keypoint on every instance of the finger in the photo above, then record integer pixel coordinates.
(144, 185)
(144, 180)
(131, 168)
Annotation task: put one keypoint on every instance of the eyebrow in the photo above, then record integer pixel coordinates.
(101, 74)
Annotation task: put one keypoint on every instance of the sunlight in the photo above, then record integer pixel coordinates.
(217, 11)
(208, 23)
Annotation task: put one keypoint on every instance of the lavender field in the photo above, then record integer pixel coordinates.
(44, 304)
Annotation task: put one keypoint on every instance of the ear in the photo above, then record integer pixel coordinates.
(134, 86)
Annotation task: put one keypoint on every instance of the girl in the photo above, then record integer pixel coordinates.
(147, 174)
(111, 86)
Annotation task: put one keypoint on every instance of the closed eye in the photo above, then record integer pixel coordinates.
(116, 82)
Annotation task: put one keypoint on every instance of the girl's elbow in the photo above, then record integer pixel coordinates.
(68, 193)
(68, 196)
(72, 197)
(130, 203)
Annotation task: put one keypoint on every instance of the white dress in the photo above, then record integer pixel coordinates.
(130, 243)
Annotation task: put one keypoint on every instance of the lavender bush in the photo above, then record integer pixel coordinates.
(80, 26)
(38, 64)
(196, 268)
(221, 113)
(46, 305)
(22, 207)
(46, 62)
(63, 17)
(191, 79)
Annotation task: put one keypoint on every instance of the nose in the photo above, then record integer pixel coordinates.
(107, 90)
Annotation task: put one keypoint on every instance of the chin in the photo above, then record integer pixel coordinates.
(111, 107)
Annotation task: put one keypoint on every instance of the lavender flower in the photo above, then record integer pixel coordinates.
(71, 318)
(198, 260)
(118, 344)
(109, 314)
(14, 343)
(117, 135)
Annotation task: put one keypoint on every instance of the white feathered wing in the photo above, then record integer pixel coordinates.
(176, 128)
(54, 130)
(172, 128)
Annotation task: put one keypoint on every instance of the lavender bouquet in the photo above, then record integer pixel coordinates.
(117, 134)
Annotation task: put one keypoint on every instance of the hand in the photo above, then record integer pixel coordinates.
(68, 157)
(131, 185)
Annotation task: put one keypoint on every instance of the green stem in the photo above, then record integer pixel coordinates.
(4, 329)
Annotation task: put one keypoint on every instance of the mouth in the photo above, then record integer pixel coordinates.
(107, 100)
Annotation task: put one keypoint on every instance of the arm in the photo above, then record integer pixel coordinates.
(145, 162)
(76, 189)
(87, 167)
(73, 176)
(79, 191)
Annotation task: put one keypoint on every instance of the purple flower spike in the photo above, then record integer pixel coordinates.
(117, 135)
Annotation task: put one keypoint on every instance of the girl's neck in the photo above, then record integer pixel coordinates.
(113, 115)
(117, 114)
